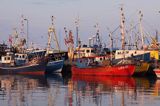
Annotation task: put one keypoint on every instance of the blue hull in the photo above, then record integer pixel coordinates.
(28, 69)
(54, 66)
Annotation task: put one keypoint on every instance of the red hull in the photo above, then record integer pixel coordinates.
(119, 70)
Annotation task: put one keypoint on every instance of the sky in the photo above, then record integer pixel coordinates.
(104, 12)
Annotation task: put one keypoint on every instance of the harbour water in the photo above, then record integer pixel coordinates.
(59, 90)
(31, 19)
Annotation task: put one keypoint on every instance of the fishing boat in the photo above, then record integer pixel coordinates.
(55, 56)
(23, 63)
(88, 66)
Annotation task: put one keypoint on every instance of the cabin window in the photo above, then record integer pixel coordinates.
(87, 51)
(23, 56)
(16, 56)
(20, 57)
(100, 58)
(8, 58)
(135, 52)
(119, 52)
(103, 58)
(5, 58)
(92, 51)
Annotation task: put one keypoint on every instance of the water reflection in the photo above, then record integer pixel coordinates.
(21, 90)
(60, 90)
(113, 91)
(98, 88)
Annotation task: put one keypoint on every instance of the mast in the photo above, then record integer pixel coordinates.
(69, 42)
(49, 41)
(157, 36)
(98, 41)
(77, 32)
(22, 25)
(122, 27)
(141, 29)
(130, 37)
(90, 42)
(55, 36)
(15, 37)
(111, 41)
(51, 31)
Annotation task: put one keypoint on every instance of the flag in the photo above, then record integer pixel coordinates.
(69, 39)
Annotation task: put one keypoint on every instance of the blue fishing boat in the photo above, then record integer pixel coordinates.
(23, 63)
(55, 56)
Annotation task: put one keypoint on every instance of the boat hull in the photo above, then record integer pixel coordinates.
(36, 69)
(141, 69)
(157, 72)
(119, 70)
(54, 66)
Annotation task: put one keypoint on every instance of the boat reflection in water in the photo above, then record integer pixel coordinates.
(18, 90)
(62, 90)
(157, 89)
(103, 89)
(112, 91)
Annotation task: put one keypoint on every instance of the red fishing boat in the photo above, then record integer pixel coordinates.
(118, 70)
(102, 66)
(88, 66)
